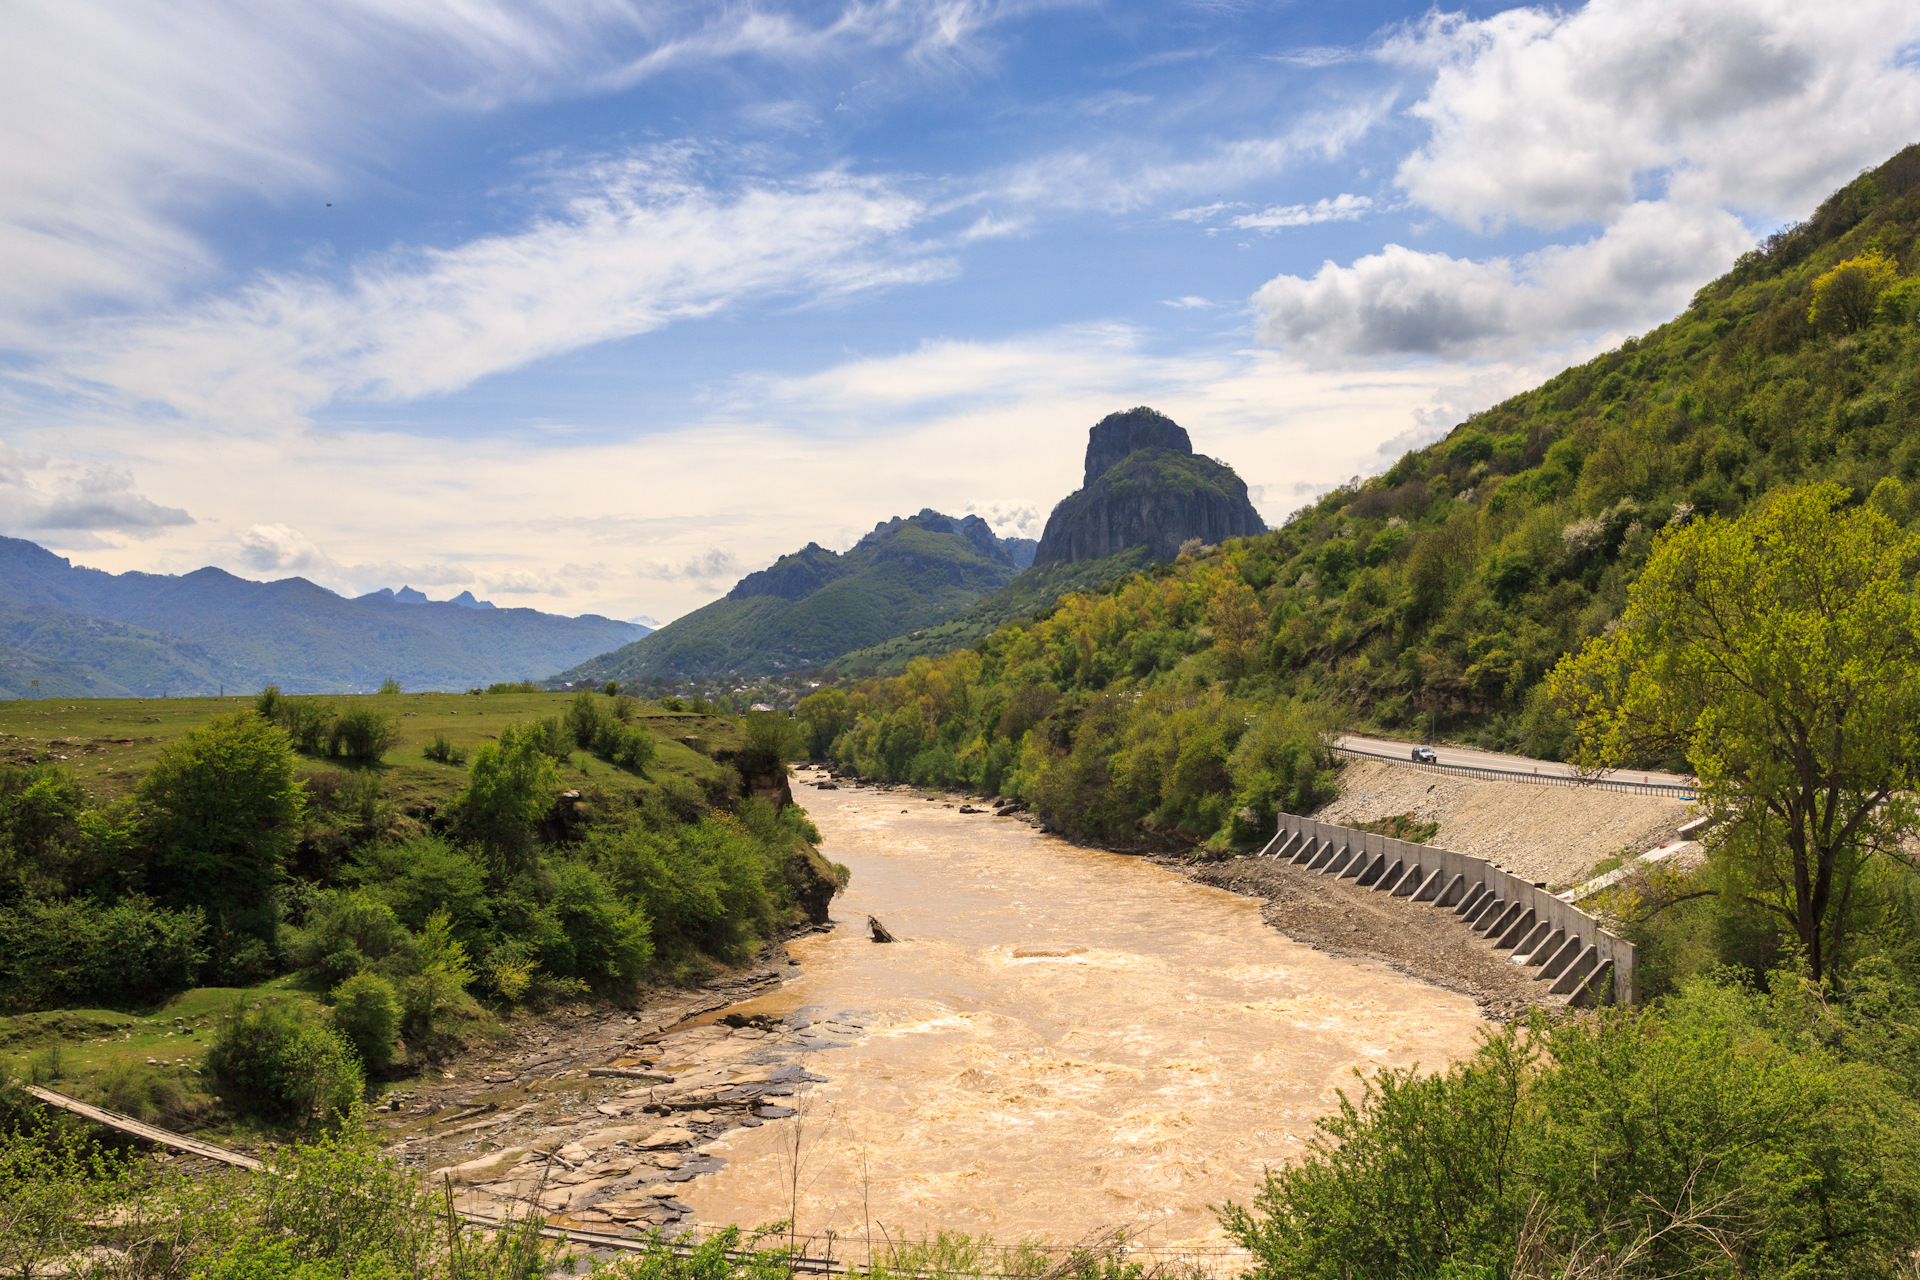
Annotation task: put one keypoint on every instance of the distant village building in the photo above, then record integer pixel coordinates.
(759, 706)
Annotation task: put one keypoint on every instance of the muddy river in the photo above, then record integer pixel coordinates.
(1061, 1040)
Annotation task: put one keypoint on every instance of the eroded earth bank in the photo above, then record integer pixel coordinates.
(1061, 1040)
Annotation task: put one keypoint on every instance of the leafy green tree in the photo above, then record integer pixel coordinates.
(1844, 298)
(221, 812)
(366, 1009)
(350, 932)
(440, 985)
(772, 739)
(511, 786)
(583, 719)
(1780, 654)
(823, 717)
(389, 686)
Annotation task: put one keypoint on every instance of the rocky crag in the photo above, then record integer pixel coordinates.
(1145, 487)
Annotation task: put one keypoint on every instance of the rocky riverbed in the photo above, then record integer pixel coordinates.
(598, 1119)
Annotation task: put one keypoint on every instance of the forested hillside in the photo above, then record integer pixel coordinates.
(1181, 701)
(808, 608)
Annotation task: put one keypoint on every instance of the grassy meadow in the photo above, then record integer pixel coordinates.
(109, 743)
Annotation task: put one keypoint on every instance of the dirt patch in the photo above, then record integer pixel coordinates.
(1337, 917)
(1544, 833)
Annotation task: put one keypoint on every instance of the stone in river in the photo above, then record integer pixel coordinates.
(774, 1113)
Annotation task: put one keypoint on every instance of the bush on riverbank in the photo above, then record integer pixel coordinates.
(1727, 1130)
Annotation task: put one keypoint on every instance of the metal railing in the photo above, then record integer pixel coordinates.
(1487, 773)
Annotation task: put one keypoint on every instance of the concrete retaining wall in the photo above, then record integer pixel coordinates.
(1564, 944)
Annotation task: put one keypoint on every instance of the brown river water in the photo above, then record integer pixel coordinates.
(1062, 1040)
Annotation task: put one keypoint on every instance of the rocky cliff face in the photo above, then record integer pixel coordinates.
(1120, 434)
(1145, 487)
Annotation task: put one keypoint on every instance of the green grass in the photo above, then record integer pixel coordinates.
(109, 743)
(150, 1063)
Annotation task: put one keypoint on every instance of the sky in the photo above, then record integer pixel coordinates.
(596, 306)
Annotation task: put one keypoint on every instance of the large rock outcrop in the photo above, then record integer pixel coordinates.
(1145, 487)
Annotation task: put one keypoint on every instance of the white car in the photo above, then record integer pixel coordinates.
(1424, 755)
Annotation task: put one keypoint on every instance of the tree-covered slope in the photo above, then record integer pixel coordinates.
(1032, 593)
(1447, 587)
(810, 607)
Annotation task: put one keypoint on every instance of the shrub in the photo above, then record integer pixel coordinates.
(1724, 1131)
(1844, 298)
(267, 702)
(510, 787)
(772, 739)
(349, 932)
(611, 688)
(222, 812)
(47, 1064)
(672, 704)
(513, 686)
(309, 724)
(141, 1092)
(423, 875)
(79, 952)
(629, 748)
(280, 1061)
(583, 719)
(441, 749)
(549, 738)
(440, 987)
(389, 686)
(362, 734)
(366, 1009)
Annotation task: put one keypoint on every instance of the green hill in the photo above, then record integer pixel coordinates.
(1030, 594)
(808, 608)
(1183, 700)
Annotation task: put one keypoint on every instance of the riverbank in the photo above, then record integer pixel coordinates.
(1062, 1039)
(1341, 919)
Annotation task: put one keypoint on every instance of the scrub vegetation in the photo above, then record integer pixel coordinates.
(303, 923)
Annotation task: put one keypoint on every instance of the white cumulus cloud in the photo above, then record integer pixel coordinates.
(1404, 302)
(1669, 124)
(1556, 117)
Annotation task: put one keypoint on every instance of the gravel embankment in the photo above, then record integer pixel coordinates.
(1549, 833)
(1342, 919)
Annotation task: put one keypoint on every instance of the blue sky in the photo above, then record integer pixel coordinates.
(595, 306)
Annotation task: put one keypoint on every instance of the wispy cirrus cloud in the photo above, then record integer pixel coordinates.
(640, 245)
(1341, 208)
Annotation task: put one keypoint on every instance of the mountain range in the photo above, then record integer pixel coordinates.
(809, 607)
(927, 583)
(85, 633)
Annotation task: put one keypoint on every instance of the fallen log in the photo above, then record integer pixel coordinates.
(880, 933)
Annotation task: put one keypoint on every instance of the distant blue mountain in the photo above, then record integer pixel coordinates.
(85, 633)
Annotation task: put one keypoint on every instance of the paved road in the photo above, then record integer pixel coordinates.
(1494, 760)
